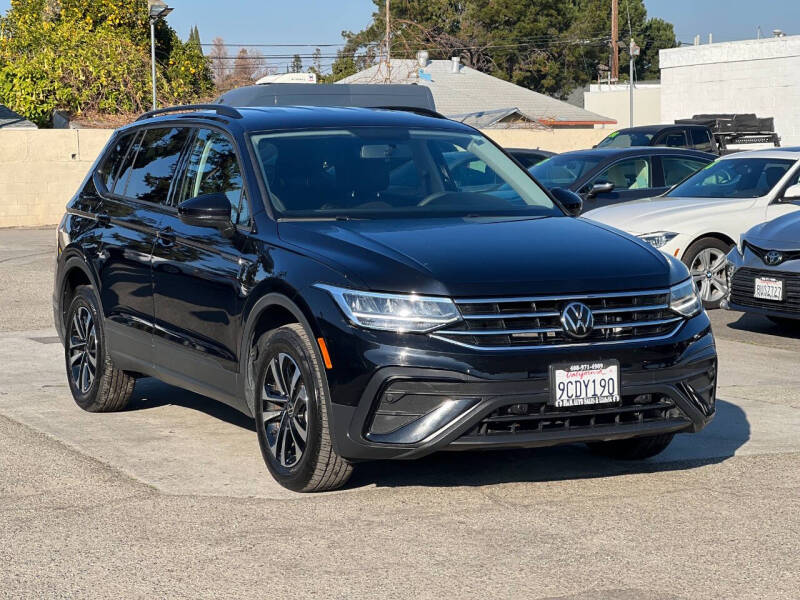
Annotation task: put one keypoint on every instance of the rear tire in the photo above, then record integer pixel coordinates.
(96, 385)
(706, 262)
(633, 448)
(291, 413)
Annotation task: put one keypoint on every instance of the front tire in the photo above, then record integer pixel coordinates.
(633, 448)
(96, 385)
(706, 260)
(291, 414)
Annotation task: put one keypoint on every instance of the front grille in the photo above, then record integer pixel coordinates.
(508, 323)
(744, 284)
(762, 252)
(532, 418)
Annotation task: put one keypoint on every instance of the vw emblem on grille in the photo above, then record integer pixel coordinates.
(773, 257)
(577, 320)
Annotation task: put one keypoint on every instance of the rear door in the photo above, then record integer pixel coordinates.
(674, 168)
(199, 273)
(632, 177)
(133, 181)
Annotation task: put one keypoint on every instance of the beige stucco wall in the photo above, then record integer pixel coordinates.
(554, 140)
(41, 169)
(616, 103)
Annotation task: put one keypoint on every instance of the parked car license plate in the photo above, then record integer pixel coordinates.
(768, 288)
(585, 384)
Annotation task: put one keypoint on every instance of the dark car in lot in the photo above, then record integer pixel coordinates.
(615, 175)
(692, 136)
(764, 270)
(528, 157)
(324, 271)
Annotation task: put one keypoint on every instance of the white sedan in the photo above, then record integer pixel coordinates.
(701, 219)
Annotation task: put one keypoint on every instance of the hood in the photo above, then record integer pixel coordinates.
(782, 233)
(468, 257)
(663, 213)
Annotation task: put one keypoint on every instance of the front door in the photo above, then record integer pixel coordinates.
(199, 275)
(632, 179)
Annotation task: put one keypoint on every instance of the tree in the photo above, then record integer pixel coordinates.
(297, 64)
(89, 56)
(219, 60)
(551, 46)
(194, 39)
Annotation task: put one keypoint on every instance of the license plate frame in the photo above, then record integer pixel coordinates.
(768, 283)
(601, 369)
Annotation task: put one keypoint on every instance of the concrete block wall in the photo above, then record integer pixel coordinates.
(554, 140)
(41, 169)
(615, 103)
(752, 76)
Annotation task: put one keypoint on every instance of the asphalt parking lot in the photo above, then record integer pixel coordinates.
(170, 498)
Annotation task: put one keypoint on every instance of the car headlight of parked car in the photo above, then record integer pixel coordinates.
(394, 312)
(683, 299)
(658, 239)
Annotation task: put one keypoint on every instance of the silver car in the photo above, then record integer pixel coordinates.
(764, 271)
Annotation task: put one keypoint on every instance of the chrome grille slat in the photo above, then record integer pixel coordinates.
(535, 321)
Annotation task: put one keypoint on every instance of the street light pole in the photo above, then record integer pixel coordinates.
(156, 10)
(153, 59)
(634, 52)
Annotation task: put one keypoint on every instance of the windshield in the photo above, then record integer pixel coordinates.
(563, 170)
(388, 172)
(626, 139)
(734, 178)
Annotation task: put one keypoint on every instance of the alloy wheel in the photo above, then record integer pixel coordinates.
(284, 398)
(708, 274)
(83, 349)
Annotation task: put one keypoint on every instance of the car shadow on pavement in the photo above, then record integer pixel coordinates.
(759, 324)
(719, 441)
(151, 393)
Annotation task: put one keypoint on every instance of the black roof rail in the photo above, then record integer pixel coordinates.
(425, 112)
(220, 109)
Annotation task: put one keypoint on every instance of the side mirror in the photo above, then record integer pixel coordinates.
(792, 193)
(571, 201)
(601, 188)
(208, 210)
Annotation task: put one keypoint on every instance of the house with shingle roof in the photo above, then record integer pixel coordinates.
(477, 98)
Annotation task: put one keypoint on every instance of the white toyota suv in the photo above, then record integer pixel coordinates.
(700, 219)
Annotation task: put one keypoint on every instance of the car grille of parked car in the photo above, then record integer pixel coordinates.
(743, 288)
(543, 417)
(762, 252)
(518, 323)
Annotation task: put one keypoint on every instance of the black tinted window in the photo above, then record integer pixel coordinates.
(678, 168)
(701, 137)
(213, 168)
(151, 164)
(110, 167)
(676, 139)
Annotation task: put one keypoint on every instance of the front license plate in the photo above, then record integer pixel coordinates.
(768, 288)
(585, 384)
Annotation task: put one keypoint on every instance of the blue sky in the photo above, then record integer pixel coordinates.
(316, 22)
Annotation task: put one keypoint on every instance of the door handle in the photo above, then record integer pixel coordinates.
(166, 236)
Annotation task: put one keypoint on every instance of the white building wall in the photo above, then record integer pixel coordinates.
(753, 76)
(614, 101)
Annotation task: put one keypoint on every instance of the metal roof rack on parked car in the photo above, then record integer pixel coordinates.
(220, 109)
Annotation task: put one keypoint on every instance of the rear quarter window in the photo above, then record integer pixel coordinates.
(115, 155)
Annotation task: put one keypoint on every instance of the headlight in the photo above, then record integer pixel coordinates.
(683, 299)
(658, 239)
(394, 312)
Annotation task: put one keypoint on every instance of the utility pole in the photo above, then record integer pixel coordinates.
(615, 40)
(634, 52)
(388, 42)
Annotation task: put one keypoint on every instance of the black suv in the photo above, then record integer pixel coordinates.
(696, 137)
(343, 276)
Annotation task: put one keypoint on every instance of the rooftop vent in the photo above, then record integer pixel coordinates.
(455, 64)
(422, 58)
(778, 33)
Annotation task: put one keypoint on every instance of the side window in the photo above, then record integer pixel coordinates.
(631, 174)
(155, 158)
(213, 168)
(678, 168)
(674, 139)
(701, 138)
(107, 172)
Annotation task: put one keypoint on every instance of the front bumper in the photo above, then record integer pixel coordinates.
(469, 400)
(742, 270)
